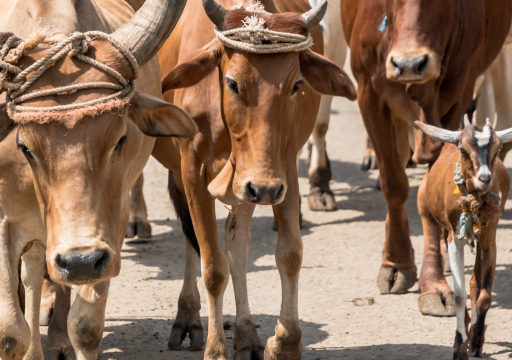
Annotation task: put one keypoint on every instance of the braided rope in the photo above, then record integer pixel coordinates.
(76, 45)
(252, 35)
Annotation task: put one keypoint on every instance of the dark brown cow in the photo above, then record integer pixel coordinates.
(254, 113)
(417, 59)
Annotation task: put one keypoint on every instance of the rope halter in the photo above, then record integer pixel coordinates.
(252, 37)
(76, 45)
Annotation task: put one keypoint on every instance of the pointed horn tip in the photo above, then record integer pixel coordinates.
(313, 17)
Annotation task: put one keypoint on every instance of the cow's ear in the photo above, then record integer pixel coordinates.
(325, 77)
(194, 68)
(155, 117)
(6, 123)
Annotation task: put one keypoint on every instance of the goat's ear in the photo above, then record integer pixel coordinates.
(6, 123)
(194, 68)
(325, 77)
(505, 136)
(439, 134)
(155, 117)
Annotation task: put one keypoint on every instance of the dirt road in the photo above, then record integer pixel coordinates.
(343, 315)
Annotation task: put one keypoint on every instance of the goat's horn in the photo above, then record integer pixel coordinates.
(466, 120)
(505, 136)
(215, 12)
(146, 31)
(313, 17)
(439, 134)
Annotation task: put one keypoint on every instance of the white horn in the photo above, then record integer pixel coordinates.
(466, 120)
(505, 136)
(488, 122)
(439, 134)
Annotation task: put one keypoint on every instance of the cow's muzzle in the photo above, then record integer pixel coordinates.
(417, 67)
(82, 266)
(264, 193)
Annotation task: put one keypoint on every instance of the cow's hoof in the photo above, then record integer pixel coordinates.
(255, 352)
(66, 353)
(216, 350)
(393, 281)
(281, 350)
(179, 331)
(460, 348)
(140, 228)
(445, 260)
(439, 304)
(321, 201)
(369, 163)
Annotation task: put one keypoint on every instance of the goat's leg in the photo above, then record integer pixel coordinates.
(436, 297)
(456, 252)
(481, 294)
(286, 344)
(398, 271)
(138, 224)
(238, 239)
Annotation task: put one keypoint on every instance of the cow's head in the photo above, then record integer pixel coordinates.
(479, 148)
(418, 32)
(259, 96)
(84, 166)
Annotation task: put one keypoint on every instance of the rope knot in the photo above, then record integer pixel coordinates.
(80, 46)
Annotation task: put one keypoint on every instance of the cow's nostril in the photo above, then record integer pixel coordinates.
(250, 191)
(280, 193)
(421, 65)
(61, 263)
(397, 65)
(100, 263)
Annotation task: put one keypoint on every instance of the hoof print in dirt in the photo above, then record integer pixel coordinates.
(439, 305)
(393, 281)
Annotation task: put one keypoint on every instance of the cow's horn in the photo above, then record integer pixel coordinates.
(215, 12)
(146, 31)
(439, 134)
(313, 17)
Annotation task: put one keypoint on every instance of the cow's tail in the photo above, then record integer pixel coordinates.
(183, 212)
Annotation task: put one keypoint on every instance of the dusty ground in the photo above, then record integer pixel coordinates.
(342, 253)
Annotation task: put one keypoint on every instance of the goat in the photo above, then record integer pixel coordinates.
(467, 208)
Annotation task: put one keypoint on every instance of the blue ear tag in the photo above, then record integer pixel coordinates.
(384, 24)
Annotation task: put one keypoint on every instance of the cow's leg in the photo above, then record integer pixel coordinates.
(238, 239)
(214, 265)
(398, 271)
(86, 320)
(138, 224)
(369, 158)
(188, 319)
(481, 295)
(58, 346)
(320, 196)
(286, 344)
(32, 276)
(47, 301)
(14, 331)
(456, 251)
(436, 297)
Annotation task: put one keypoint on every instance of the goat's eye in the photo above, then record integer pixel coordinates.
(120, 143)
(232, 85)
(296, 86)
(25, 151)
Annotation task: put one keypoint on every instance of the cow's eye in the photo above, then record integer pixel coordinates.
(296, 86)
(25, 151)
(232, 85)
(120, 143)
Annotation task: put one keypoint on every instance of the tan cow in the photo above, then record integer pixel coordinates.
(254, 112)
(66, 173)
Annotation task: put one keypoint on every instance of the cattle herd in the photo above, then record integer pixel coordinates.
(225, 94)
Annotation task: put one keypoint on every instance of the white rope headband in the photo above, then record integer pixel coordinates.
(252, 35)
(75, 46)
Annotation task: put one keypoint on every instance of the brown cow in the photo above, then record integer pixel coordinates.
(65, 178)
(467, 207)
(254, 113)
(417, 59)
